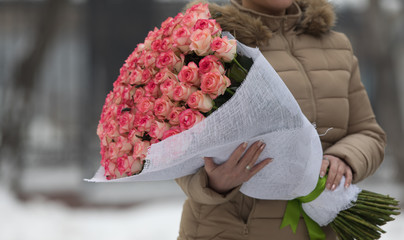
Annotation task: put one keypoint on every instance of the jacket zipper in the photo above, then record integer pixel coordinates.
(302, 70)
(247, 224)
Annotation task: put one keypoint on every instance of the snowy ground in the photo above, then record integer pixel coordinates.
(156, 215)
(40, 219)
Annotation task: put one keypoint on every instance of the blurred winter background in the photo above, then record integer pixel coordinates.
(59, 59)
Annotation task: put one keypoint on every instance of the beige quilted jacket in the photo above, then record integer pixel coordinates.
(319, 68)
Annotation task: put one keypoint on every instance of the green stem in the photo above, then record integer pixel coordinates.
(230, 91)
(359, 220)
(241, 67)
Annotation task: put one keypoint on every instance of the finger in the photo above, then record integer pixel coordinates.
(249, 154)
(324, 166)
(258, 167)
(256, 155)
(210, 165)
(337, 180)
(332, 173)
(237, 154)
(348, 177)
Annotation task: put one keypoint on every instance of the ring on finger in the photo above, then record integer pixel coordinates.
(248, 167)
(326, 158)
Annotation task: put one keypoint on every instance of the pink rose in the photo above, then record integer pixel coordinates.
(109, 167)
(202, 10)
(166, 44)
(135, 55)
(162, 107)
(189, 74)
(136, 165)
(135, 77)
(209, 24)
(189, 118)
(122, 164)
(151, 37)
(182, 91)
(140, 149)
(111, 129)
(200, 42)
(200, 101)
(167, 26)
(163, 75)
(210, 64)
(145, 104)
(149, 59)
(152, 89)
(123, 76)
(121, 109)
(125, 122)
(147, 75)
(224, 49)
(214, 84)
(113, 150)
(189, 20)
(169, 60)
(171, 132)
(124, 146)
(168, 86)
(143, 122)
(122, 94)
(181, 39)
(104, 155)
(134, 136)
(108, 100)
(174, 115)
(100, 129)
(157, 129)
(139, 93)
(155, 46)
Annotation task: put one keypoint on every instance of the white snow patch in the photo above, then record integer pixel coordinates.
(45, 220)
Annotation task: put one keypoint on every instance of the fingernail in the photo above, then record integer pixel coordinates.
(329, 186)
(262, 146)
(346, 186)
(322, 174)
(333, 187)
(245, 144)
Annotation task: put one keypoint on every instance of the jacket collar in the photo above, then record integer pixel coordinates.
(313, 17)
(274, 23)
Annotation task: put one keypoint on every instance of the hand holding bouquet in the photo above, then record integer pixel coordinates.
(183, 95)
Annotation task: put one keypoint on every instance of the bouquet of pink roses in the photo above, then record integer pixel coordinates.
(155, 125)
(167, 85)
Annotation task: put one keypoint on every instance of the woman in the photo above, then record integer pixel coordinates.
(319, 68)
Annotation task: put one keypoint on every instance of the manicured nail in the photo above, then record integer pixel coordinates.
(245, 144)
(333, 187)
(346, 186)
(329, 186)
(322, 174)
(262, 146)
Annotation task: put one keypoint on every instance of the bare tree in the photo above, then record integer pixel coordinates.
(17, 109)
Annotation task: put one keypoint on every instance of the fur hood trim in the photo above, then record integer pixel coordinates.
(316, 17)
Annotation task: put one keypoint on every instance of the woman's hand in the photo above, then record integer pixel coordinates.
(237, 169)
(338, 168)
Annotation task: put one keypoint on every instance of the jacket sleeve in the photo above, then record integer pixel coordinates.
(195, 186)
(363, 146)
